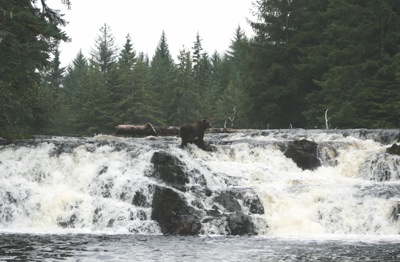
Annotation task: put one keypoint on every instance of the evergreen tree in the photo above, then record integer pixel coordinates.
(184, 97)
(127, 56)
(51, 94)
(55, 74)
(76, 78)
(29, 33)
(143, 109)
(94, 104)
(237, 56)
(161, 68)
(104, 54)
(359, 86)
(124, 90)
(201, 78)
(273, 92)
(75, 90)
(215, 88)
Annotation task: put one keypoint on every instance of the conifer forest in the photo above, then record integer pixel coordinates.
(307, 60)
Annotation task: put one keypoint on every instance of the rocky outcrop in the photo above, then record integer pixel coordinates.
(171, 211)
(169, 169)
(304, 153)
(230, 201)
(232, 209)
(240, 224)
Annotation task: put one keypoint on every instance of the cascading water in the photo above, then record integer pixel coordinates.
(102, 184)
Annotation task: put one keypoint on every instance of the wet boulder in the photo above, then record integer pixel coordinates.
(174, 215)
(304, 153)
(240, 224)
(395, 214)
(394, 150)
(236, 205)
(169, 169)
(231, 200)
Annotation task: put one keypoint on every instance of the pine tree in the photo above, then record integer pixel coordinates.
(183, 93)
(76, 78)
(29, 34)
(161, 69)
(75, 90)
(273, 92)
(104, 54)
(124, 90)
(201, 79)
(216, 87)
(51, 95)
(359, 85)
(143, 110)
(238, 56)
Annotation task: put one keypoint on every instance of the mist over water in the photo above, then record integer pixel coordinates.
(61, 185)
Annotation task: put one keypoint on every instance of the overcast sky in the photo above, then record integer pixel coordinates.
(144, 20)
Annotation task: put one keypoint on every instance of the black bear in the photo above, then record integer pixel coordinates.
(194, 133)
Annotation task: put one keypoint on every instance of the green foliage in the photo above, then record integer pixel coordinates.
(161, 69)
(305, 57)
(28, 34)
(310, 56)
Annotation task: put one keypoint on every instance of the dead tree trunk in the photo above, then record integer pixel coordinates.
(150, 130)
(146, 130)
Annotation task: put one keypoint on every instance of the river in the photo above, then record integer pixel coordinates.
(64, 198)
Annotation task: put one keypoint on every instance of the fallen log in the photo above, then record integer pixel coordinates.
(146, 130)
(150, 130)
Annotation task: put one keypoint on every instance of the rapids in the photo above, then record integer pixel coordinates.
(87, 185)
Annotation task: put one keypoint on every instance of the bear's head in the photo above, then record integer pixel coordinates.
(206, 124)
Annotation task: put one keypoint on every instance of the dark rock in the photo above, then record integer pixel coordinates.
(228, 200)
(173, 214)
(141, 215)
(169, 169)
(254, 205)
(140, 200)
(240, 224)
(304, 153)
(213, 212)
(395, 212)
(177, 216)
(394, 150)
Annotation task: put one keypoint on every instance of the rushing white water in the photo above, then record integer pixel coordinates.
(88, 185)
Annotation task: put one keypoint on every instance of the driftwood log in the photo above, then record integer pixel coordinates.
(150, 130)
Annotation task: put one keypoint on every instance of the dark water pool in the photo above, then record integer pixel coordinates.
(89, 247)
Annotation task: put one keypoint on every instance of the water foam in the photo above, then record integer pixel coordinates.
(87, 185)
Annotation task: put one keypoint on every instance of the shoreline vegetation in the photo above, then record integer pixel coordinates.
(309, 65)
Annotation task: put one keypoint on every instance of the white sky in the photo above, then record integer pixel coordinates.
(144, 20)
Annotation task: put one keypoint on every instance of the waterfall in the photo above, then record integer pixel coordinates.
(104, 184)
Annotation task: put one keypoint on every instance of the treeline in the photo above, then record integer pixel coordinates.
(306, 58)
(120, 86)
